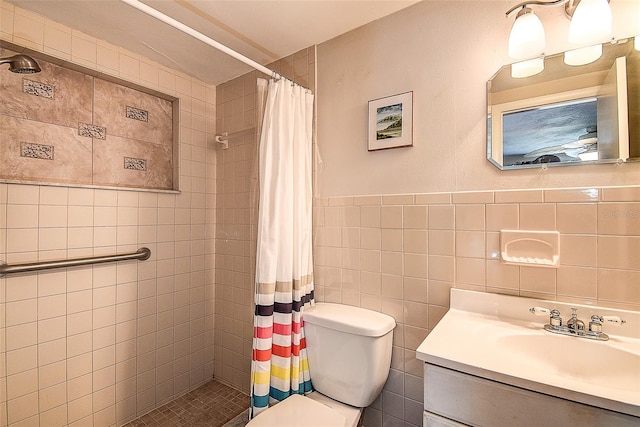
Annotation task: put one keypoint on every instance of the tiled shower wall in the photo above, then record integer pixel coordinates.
(67, 126)
(401, 254)
(101, 345)
(236, 169)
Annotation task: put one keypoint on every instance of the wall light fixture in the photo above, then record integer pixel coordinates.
(590, 26)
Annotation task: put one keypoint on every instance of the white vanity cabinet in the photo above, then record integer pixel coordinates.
(490, 363)
(453, 398)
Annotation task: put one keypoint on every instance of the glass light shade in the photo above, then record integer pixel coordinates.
(527, 36)
(527, 68)
(583, 55)
(591, 22)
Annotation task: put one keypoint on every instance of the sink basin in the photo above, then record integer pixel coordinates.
(583, 360)
(495, 337)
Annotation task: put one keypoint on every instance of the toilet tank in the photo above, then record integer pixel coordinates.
(349, 351)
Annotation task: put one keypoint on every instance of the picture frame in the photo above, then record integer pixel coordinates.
(391, 122)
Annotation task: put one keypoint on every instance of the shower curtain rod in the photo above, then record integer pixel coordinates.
(193, 33)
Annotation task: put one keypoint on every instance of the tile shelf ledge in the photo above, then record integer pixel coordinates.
(88, 186)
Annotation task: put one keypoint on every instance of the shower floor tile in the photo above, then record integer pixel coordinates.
(212, 404)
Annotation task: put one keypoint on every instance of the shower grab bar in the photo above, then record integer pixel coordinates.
(141, 254)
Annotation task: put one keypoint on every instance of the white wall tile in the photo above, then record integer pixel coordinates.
(22, 360)
(52, 352)
(52, 306)
(22, 216)
(22, 383)
(22, 407)
(22, 240)
(52, 374)
(83, 49)
(29, 29)
(20, 312)
(57, 40)
(52, 216)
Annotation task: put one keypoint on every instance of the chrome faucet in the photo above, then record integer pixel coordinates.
(576, 327)
(574, 324)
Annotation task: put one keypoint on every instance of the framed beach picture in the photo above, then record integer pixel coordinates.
(391, 122)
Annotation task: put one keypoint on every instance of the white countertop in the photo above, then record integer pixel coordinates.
(495, 337)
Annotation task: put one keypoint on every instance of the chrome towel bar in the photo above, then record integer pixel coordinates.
(141, 254)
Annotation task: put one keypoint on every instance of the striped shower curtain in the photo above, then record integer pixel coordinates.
(284, 264)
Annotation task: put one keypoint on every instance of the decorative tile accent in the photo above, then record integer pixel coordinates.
(74, 110)
(137, 114)
(135, 164)
(36, 151)
(92, 131)
(37, 89)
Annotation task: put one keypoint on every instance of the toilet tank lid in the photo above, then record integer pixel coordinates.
(349, 319)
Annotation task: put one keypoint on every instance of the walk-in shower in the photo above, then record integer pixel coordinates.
(21, 64)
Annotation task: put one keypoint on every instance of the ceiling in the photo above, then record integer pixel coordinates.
(262, 30)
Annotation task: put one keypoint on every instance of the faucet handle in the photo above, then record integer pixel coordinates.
(595, 325)
(554, 315)
(540, 311)
(610, 320)
(554, 318)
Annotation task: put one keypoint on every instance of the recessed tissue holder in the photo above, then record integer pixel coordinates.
(528, 247)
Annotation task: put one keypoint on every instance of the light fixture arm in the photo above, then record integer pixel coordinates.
(536, 3)
(569, 5)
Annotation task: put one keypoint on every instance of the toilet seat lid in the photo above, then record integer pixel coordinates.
(299, 411)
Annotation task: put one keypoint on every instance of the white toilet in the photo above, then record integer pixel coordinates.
(349, 351)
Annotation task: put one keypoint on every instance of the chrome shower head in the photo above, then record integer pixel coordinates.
(21, 64)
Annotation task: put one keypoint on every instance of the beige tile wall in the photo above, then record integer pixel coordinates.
(401, 254)
(236, 216)
(101, 345)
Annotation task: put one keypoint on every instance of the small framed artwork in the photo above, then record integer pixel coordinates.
(391, 122)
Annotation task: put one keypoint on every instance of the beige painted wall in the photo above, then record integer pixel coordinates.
(443, 51)
(381, 243)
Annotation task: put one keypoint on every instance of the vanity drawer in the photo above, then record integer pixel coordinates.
(430, 419)
(477, 401)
